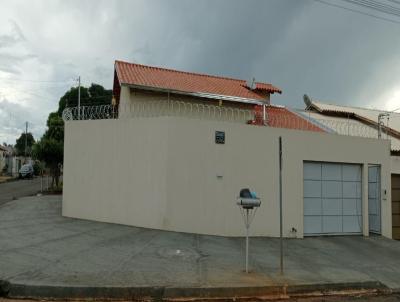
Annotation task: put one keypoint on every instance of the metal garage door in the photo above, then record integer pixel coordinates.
(332, 198)
(396, 206)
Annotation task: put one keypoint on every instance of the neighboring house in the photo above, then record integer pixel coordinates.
(355, 121)
(175, 148)
(3, 156)
(12, 161)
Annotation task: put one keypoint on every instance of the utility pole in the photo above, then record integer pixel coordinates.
(79, 97)
(280, 207)
(26, 138)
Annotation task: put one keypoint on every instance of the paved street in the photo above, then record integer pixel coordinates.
(366, 298)
(382, 298)
(40, 247)
(19, 188)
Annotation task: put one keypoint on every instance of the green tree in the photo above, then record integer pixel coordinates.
(50, 148)
(20, 144)
(94, 95)
(51, 151)
(55, 127)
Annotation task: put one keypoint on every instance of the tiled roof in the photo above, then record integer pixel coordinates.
(284, 118)
(281, 117)
(345, 126)
(369, 116)
(187, 82)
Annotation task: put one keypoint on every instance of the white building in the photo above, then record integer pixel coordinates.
(3, 156)
(154, 160)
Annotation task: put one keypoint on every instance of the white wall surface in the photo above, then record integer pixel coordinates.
(167, 173)
(395, 164)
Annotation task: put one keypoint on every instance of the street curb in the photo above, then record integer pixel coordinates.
(190, 293)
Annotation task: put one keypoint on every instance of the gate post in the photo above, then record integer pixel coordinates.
(364, 183)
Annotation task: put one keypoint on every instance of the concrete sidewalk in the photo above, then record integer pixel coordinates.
(42, 251)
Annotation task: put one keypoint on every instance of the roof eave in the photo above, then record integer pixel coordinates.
(198, 94)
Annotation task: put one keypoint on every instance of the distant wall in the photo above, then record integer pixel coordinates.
(168, 173)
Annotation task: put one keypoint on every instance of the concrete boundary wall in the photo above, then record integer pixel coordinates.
(168, 173)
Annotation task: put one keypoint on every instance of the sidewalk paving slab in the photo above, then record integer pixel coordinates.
(43, 253)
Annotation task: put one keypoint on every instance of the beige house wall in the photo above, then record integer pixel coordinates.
(135, 102)
(168, 173)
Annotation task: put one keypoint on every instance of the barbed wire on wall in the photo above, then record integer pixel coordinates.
(158, 108)
(90, 113)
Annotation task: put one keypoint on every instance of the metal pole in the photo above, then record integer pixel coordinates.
(79, 97)
(280, 206)
(379, 126)
(264, 114)
(247, 240)
(26, 138)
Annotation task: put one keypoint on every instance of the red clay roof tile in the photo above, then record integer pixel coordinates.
(155, 77)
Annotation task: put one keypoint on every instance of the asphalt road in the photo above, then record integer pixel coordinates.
(19, 188)
(378, 298)
(381, 298)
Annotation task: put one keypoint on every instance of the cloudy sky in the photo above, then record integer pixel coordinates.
(301, 46)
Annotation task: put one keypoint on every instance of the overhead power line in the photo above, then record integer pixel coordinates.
(358, 12)
(37, 81)
(383, 8)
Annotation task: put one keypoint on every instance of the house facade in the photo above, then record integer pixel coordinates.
(364, 122)
(3, 157)
(9, 162)
(167, 167)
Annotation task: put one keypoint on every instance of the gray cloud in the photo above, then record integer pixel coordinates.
(13, 117)
(301, 46)
(15, 36)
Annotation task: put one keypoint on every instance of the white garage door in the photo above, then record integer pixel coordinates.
(332, 199)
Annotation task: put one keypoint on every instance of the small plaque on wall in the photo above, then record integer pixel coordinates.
(220, 137)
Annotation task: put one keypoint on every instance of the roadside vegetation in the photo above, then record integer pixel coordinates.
(50, 148)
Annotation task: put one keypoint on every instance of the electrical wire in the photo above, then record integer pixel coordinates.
(38, 81)
(383, 8)
(358, 12)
